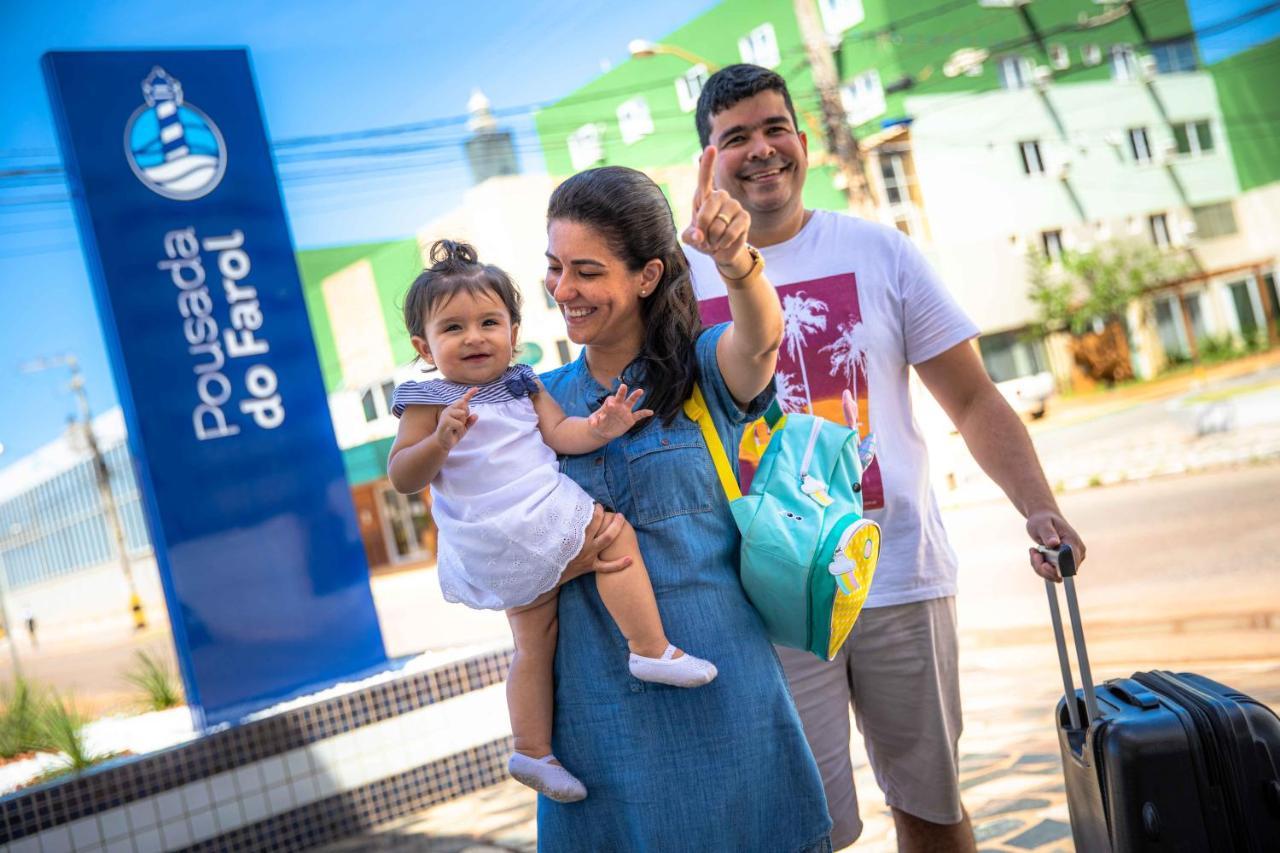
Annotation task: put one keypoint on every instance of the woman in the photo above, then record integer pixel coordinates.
(726, 766)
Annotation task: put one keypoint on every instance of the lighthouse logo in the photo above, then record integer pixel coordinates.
(174, 149)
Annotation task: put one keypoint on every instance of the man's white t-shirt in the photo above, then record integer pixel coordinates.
(860, 305)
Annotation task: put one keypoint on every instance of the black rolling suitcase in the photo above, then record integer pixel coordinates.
(1163, 761)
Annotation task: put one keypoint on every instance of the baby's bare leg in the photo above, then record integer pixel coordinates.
(530, 696)
(628, 595)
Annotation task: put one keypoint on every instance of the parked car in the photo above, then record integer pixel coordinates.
(1028, 395)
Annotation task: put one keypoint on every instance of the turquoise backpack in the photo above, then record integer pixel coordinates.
(808, 555)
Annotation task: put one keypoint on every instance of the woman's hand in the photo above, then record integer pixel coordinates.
(617, 414)
(720, 225)
(602, 530)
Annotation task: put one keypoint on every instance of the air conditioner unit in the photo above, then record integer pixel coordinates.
(1147, 67)
(1114, 138)
(1043, 75)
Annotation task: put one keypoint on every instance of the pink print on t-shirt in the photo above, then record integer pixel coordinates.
(824, 351)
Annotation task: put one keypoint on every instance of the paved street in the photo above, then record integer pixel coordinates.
(1183, 573)
(1204, 425)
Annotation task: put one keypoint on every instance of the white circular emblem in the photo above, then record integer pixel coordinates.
(172, 147)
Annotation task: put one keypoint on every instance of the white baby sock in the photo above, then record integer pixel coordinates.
(546, 778)
(683, 671)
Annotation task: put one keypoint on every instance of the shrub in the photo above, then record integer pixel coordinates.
(21, 729)
(158, 684)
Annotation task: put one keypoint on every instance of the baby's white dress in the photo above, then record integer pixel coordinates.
(509, 521)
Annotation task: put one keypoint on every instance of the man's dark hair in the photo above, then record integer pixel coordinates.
(732, 84)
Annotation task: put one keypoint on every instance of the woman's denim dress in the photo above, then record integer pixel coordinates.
(723, 767)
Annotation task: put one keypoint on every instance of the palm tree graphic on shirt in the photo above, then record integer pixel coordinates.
(849, 352)
(790, 394)
(801, 316)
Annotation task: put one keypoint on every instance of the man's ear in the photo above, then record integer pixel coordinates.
(420, 346)
(804, 143)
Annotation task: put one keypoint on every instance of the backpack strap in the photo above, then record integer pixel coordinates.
(695, 408)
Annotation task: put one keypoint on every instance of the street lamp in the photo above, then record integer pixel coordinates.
(101, 474)
(643, 48)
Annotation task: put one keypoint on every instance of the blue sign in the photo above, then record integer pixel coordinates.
(194, 275)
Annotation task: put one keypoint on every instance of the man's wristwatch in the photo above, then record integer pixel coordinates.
(757, 266)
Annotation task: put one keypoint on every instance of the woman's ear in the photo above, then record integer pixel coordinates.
(650, 276)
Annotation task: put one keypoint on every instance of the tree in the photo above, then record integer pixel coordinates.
(1088, 293)
(1097, 283)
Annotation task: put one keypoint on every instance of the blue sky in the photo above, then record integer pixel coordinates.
(322, 67)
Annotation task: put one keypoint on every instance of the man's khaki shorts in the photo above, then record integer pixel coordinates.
(898, 670)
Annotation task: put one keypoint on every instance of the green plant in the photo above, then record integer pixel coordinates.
(64, 731)
(21, 729)
(1098, 283)
(158, 684)
(1219, 348)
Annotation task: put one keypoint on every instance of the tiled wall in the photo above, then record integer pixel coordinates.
(300, 778)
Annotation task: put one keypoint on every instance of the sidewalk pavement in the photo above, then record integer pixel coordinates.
(1228, 418)
(1010, 774)
(1069, 409)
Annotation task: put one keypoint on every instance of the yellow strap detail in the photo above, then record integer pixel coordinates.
(696, 410)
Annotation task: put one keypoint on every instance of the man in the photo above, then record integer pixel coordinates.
(861, 305)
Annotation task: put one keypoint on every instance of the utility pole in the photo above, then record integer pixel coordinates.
(840, 139)
(101, 474)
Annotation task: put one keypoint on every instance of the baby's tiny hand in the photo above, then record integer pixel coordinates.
(615, 416)
(455, 420)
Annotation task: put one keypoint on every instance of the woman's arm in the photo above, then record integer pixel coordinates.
(747, 352)
(423, 441)
(573, 436)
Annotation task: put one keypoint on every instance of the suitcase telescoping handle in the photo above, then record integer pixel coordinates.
(1065, 560)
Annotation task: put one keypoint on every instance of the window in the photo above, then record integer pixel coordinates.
(1193, 138)
(1059, 56)
(863, 98)
(760, 47)
(1214, 220)
(1169, 327)
(1246, 312)
(585, 149)
(689, 87)
(1051, 243)
(1139, 145)
(1091, 54)
(634, 121)
(1175, 56)
(895, 186)
(370, 406)
(1269, 285)
(1032, 162)
(1016, 72)
(1124, 63)
(1007, 355)
(388, 391)
(840, 15)
(894, 178)
(1159, 225)
(562, 349)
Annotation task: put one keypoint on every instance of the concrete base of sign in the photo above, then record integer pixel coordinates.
(317, 769)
